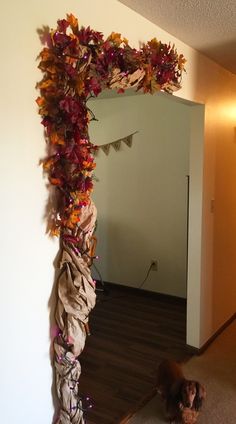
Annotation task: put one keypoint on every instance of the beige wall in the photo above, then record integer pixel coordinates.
(217, 89)
(27, 254)
(142, 201)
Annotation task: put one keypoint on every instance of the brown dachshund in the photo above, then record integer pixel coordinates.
(183, 397)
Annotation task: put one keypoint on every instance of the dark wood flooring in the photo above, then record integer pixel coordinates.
(132, 331)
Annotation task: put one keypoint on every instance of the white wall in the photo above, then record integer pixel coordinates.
(27, 254)
(142, 197)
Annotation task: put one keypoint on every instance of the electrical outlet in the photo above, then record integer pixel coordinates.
(154, 265)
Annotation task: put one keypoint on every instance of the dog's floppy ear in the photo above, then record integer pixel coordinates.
(176, 389)
(200, 396)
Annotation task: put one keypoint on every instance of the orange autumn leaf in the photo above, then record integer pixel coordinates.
(71, 60)
(54, 232)
(45, 83)
(45, 54)
(74, 216)
(73, 219)
(52, 69)
(47, 164)
(56, 139)
(78, 197)
(40, 101)
(55, 181)
(80, 84)
(73, 21)
(89, 165)
(43, 111)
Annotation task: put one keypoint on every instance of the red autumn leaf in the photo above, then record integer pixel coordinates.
(62, 25)
(94, 86)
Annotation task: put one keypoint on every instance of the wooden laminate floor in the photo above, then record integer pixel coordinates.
(132, 331)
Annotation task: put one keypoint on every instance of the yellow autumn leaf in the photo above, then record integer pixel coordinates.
(115, 37)
(181, 62)
(154, 43)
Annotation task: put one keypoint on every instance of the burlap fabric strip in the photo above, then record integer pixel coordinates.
(76, 298)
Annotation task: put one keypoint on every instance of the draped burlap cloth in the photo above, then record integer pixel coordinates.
(76, 298)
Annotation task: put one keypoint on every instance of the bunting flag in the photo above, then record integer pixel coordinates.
(128, 140)
(106, 148)
(116, 145)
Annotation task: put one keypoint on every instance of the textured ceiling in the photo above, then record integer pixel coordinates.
(206, 25)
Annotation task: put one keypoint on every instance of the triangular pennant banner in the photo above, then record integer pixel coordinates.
(106, 148)
(116, 145)
(128, 140)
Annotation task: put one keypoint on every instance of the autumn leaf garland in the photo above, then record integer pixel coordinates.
(79, 63)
